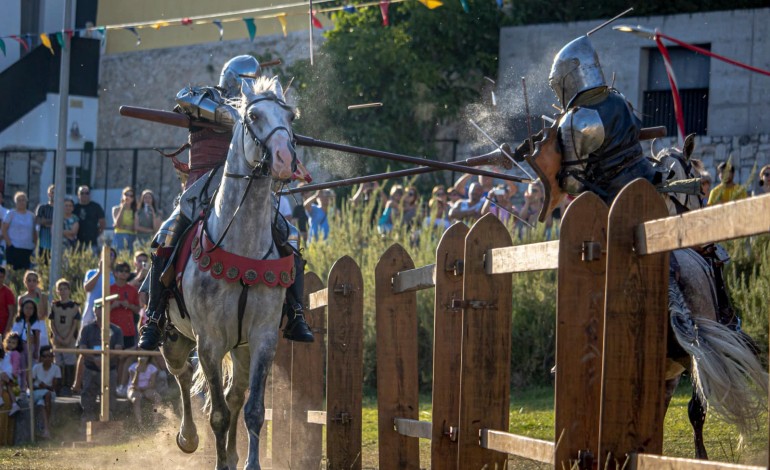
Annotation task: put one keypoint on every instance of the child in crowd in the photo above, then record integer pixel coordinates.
(12, 349)
(45, 379)
(32, 284)
(31, 332)
(9, 385)
(65, 325)
(142, 385)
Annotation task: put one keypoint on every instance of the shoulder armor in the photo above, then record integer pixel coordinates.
(582, 133)
(205, 103)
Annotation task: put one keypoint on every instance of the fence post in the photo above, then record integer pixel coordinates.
(635, 329)
(344, 368)
(280, 394)
(579, 328)
(397, 376)
(307, 379)
(486, 346)
(447, 337)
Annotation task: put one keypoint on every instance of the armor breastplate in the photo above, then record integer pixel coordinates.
(599, 140)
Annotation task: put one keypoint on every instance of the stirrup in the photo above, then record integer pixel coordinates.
(298, 330)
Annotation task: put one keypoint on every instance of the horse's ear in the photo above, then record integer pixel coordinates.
(689, 146)
(278, 90)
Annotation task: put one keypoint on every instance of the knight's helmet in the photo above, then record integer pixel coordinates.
(237, 70)
(575, 69)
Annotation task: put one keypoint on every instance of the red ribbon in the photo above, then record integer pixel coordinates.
(674, 89)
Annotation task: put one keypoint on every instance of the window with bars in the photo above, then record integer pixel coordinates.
(692, 75)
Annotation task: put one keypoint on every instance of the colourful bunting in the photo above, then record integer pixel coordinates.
(316, 21)
(60, 39)
(136, 33)
(46, 42)
(251, 27)
(2, 46)
(282, 20)
(431, 4)
(349, 9)
(69, 33)
(187, 21)
(219, 26)
(384, 4)
(20, 41)
(465, 5)
(161, 24)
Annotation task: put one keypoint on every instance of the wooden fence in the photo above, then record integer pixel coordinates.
(611, 343)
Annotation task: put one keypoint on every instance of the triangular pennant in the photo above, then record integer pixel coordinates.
(384, 4)
(349, 9)
(20, 41)
(219, 26)
(251, 27)
(2, 46)
(136, 33)
(69, 33)
(316, 21)
(431, 4)
(60, 39)
(46, 42)
(282, 20)
(160, 24)
(465, 5)
(186, 21)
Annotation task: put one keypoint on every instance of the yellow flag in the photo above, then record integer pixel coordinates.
(431, 4)
(160, 24)
(46, 42)
(282, 19)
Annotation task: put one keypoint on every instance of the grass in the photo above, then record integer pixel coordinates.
(531, 415)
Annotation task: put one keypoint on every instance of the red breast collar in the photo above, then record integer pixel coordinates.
(232, 267)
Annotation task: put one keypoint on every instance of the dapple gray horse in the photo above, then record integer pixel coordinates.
(229, 317)
(726, 371)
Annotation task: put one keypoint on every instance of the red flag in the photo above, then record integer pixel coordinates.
(678, 114)
(316, 21)
(384, 4)
(20, 41)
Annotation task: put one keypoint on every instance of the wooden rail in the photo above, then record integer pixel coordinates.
(523, 258)
(414, 279)
(413, 428)
(527, 447)
(657, 462)
(319, 299)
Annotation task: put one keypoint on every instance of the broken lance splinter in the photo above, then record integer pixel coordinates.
(311, 142)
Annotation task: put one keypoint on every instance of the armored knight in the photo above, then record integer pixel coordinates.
(208, 149)
(598, 132)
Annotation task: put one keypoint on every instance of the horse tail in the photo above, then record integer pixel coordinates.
(201, 386)
(726, 371)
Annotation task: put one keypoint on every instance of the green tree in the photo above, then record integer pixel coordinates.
(424, 68)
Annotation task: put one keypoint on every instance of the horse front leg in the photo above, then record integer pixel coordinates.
(175, 351)
(697, 414)
(254, 413)
(235, 396)
(219, 416)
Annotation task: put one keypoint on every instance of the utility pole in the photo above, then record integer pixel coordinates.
(60, 174)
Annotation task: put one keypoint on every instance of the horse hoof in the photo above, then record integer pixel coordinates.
(188, 446)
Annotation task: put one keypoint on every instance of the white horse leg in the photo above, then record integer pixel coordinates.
(175, 351)
(235, 396)
(210, 359)
(254, 413)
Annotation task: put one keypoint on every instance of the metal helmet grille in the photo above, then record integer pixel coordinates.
(232, 76)
(575, 69)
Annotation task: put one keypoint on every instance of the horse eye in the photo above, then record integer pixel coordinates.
(253, 116)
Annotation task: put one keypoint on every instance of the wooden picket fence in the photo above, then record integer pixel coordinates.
(612, 267)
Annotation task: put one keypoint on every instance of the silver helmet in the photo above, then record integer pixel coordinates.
(575, 69)
(235, 71)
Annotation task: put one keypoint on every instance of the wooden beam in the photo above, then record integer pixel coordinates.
(657, 462)
(268, 414)
(726, 221)
(527, 447)
(523, 258)
(316, 417)
(414, 279)
(319, 299)
(413, 427)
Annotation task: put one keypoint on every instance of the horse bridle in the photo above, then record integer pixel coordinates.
(260, 170)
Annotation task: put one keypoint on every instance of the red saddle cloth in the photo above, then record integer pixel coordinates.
(231, 267)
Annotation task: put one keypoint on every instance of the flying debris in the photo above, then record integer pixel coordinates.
(365, 105)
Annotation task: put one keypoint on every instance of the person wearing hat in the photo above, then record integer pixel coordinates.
(88, 375)
(764, 181)
(727, 190)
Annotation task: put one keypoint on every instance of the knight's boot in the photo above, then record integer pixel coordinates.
(296, 328)
(152, 331)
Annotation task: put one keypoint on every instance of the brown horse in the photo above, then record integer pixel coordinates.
(705, 339)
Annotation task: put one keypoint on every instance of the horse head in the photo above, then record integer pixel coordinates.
(267, 119)
(546, 161)
(678, 165)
